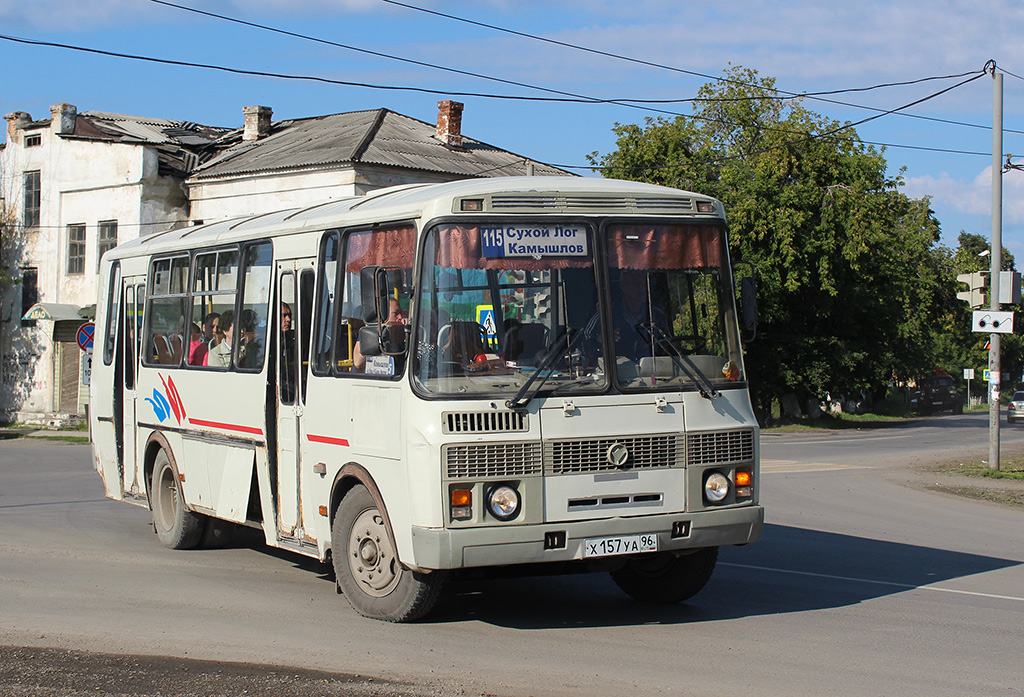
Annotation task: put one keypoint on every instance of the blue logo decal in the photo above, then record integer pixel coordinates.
(161, 407)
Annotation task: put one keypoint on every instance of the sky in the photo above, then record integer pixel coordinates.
(805, 45)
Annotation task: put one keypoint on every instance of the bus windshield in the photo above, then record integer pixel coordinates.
(672, 307)
(515, 310)
(499, 302)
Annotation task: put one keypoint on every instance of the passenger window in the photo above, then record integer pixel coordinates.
(214, 288)
(165, 330)
(251, 322)
(324, 345)
(113, 312)
(383, 247)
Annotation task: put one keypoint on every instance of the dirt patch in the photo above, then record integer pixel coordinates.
(964, 477)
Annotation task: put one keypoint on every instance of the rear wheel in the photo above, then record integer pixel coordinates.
(176, 526)
(367, 568)
(666, 578)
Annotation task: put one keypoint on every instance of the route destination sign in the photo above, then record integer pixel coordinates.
(534, 241)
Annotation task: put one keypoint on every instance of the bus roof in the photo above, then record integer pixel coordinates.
(509, 195)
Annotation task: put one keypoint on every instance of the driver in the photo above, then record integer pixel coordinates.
(632, 307)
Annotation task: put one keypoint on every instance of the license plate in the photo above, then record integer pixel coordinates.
(610, 546)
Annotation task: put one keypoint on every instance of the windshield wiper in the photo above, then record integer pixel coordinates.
(568, 339)
(661, 338)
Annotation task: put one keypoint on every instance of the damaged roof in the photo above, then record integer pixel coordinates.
(178, 143)
(378, 137)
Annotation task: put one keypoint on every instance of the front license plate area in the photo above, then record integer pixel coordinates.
(612, 546)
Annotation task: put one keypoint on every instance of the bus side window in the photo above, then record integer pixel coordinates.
(324, 341)
(387, 246)
(113, 311)
(257, 277)
(165, 315)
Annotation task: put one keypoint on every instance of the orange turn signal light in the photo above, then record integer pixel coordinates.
(742, 478)
(462, 497)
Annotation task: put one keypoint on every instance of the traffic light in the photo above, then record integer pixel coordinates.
(977, 285)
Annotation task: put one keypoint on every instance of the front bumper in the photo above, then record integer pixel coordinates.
(439, 548)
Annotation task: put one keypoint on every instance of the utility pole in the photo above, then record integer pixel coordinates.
(996, 263)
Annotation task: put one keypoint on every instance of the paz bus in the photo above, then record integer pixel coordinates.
(534, 372)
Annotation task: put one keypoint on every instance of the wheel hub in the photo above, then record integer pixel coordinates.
(371, 557)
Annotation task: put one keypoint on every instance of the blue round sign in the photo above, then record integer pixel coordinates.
(85, 334)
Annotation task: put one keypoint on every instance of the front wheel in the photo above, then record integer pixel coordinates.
(175, 525)
(666, 578)
(367, 568)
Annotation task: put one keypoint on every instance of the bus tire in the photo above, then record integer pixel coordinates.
(366, 566)
(175, 525)
(666, 578)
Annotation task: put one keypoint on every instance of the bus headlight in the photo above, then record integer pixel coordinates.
(716, 487)
(503, 502)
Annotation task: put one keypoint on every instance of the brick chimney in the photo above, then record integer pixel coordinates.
(16, 120)
(449, 123)
(257, 122)
(62, 118)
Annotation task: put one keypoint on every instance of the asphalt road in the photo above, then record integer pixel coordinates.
(862, 585)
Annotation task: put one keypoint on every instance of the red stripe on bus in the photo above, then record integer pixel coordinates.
(327, 439)
(226, 427)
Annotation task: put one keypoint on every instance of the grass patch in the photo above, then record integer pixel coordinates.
(13, 435)
(1010, 469)
(829, 422)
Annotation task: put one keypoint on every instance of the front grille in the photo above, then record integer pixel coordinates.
(591, 455)
(483, 422)
(489, 460)
(719, 447)
(526, 458)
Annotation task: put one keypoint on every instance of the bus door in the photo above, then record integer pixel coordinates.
(293, 320)
(134, 295)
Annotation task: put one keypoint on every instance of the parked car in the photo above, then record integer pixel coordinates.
(1015, 409)
(937, 393)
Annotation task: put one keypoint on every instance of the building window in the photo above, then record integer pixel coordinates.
(33, 141)
(29, 293)
(33, 197)
(76, 249)
(107, 239)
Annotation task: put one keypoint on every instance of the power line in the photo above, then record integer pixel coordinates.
(808, 137)
(627, 102)
(449, 93)
(818, 96)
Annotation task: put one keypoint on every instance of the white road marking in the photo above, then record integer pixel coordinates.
(891, 584)
(768, 466)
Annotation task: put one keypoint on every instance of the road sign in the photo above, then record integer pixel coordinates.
(485, 318)
(85, 334)
(992, 322)
(968, 373)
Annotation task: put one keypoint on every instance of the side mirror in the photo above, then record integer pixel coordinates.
(748, 307)
(380, 286)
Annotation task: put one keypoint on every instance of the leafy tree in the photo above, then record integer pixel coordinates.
(849, 279)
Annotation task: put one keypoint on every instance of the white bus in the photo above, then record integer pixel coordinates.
(487, 373)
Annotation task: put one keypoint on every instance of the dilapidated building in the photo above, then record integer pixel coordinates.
(77, 184)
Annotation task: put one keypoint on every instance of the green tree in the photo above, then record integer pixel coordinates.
(847, 272)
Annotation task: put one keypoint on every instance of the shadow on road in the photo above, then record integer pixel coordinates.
(790, 570)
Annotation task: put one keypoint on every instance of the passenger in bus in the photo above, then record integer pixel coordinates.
(287, 376)
(219, 356)
(250, 349)
(208, 338)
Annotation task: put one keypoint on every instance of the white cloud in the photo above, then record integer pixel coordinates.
(972, 197)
